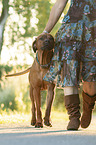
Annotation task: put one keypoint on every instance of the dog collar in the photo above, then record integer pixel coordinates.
(43, 66)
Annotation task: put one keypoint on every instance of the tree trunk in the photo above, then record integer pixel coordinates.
(3, 19)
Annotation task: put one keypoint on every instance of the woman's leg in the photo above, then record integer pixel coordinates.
(89, 98)
(89, 88)
(89, 77)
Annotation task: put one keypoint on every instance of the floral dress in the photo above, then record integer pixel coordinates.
(75, 46)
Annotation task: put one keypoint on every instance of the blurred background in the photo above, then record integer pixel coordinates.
(20, 22)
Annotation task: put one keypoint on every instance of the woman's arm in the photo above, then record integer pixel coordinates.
(55, 14)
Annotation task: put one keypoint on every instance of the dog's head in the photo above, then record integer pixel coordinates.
(44, 42)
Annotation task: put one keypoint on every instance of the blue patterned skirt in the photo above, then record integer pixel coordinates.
(74, 55)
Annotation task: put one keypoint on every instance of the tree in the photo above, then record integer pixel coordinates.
(17, 21)
(26, 11)
(3, 19)
(20, 20)
(31, 15)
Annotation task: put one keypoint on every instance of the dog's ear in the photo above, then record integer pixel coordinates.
(34, 46)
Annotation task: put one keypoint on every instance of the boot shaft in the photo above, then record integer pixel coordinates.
(72, 104)
(88, 102)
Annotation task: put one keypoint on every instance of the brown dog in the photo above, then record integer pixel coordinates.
(43, 46)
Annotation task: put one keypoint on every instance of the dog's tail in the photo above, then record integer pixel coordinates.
(19, 73)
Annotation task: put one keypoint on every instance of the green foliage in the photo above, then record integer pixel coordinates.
(7, 99)
(43, 98)
(67, 7)
(58, 103)
(26, 99)
(4, 69)
(14, 94)
(29, 12)
(43, 15)
(59, 100)
(13, 91)
(32, 16)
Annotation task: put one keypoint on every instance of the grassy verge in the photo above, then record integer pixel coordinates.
(15, 117)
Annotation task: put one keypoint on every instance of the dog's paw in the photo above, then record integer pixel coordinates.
(47, 123)
(33, 122)
(38, 125)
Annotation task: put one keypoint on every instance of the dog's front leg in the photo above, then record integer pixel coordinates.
(33, 120)
(36, 93)
(49, 99)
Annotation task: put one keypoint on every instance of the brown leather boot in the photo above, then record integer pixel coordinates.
(72, 105)
(88, 105)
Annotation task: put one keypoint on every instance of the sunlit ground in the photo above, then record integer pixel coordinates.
(14, 117)
(21, 123)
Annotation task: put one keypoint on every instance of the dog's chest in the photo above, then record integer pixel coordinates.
(43, 83)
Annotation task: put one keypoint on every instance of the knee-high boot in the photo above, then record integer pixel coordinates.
(72, 105)
(88, 106)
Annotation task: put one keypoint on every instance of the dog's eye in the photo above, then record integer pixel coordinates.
(41, 38)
